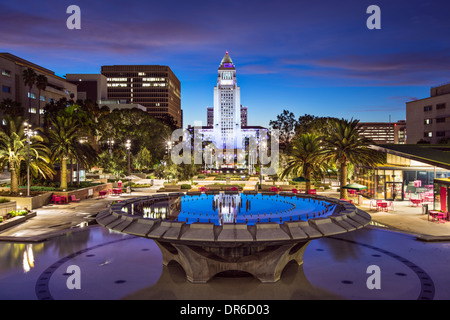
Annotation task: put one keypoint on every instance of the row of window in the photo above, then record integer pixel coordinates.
(438, 120)
(429, 134)
(439, 106)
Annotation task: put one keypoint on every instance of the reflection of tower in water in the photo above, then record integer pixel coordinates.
(227, 206)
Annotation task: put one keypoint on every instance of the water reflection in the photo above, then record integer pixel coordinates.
(230, 208)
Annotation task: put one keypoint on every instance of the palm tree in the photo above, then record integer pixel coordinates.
(65, 143)
(14, 151)
(41, 84)
(29, 79)
(11, 108)
(344, 145)
(307, 157)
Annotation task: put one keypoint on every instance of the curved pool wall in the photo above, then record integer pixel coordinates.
(261, 248)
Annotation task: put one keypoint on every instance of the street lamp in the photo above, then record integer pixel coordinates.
(110, 143)
(28, 133)
(128, 146)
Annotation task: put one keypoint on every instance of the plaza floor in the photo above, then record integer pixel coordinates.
(35, 256)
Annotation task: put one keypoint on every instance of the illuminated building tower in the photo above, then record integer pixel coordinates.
(227, 107)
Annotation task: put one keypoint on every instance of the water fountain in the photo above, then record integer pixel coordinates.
(212, 234)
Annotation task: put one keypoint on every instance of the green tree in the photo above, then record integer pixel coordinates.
(14, 152)
(65, 144)
(344, 144)
(306, 158)
(286, 124)
(29, 78)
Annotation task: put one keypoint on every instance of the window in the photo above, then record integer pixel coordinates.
(42, 98)
(428, 134)
(440, 106)
(440, 133)
(427, 121)
(6, 73)
(427, 108)
(440, 120)
(6, 89)
(31, 95)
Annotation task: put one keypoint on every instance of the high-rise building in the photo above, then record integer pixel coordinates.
(384, 132)
(428, 119)
(33, 101)
(227, 126)
(152, 86)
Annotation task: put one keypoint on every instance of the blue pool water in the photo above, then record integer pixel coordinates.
(239, 208)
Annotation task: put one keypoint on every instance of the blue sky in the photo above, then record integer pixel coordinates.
(310, 57)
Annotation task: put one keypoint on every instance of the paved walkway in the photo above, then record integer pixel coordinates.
(53, 219)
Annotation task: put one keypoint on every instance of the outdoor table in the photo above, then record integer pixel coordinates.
(117, 191)
(312, 191)
(382, 205)
(63, 199)
(438, 215)
(102, 193)
(56, 199)
(416, 202)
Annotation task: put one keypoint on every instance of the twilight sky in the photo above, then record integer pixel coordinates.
(310, 57)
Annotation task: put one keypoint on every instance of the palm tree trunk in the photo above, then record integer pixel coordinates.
(308, 180)
(63, 173)
(343, 180)
(14, 181)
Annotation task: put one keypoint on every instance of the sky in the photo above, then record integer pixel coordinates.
(308, 57)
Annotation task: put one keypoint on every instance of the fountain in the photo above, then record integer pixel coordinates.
(210, 234)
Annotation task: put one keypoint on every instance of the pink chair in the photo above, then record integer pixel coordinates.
(294, 190)
(312, 191)
(73, 198)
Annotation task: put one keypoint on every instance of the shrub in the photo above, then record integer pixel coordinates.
(201, 176)
(186, 186)
(1, 219)
(4, 200)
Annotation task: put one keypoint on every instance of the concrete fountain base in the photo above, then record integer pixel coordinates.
(265, 263)
(206, 249)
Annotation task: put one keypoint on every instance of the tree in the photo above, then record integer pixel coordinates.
(14, 152)
(286, 124)
(11, 108)
(307, 158)
(41, 84)
(344, 145)
(29, 78)
(64, 140)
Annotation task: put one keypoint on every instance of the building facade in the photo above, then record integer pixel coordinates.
(428, 120)
(384, 132)
(89, 86)
(33, 101)
(227, 127)
(155, 87)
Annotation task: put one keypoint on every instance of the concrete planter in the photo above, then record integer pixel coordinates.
(84, 193)
(30, 202)
(15, 221)
(7, 207)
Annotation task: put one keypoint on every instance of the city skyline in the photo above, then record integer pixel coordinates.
(317, 59)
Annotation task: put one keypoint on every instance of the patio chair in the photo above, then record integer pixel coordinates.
(390, 206)
(73, 198)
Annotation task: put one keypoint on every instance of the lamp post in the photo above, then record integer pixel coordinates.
(82, 140)
(28, 133)
(110, 143)
(128, 146)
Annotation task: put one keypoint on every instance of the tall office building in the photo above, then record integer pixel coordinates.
(33, 101)
(384, 132)
(227, 126)
(152, 86)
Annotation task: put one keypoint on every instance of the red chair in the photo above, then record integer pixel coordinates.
(312, 191)
(294, 191)
(56, 199)
(73, 198)
(234, 189)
